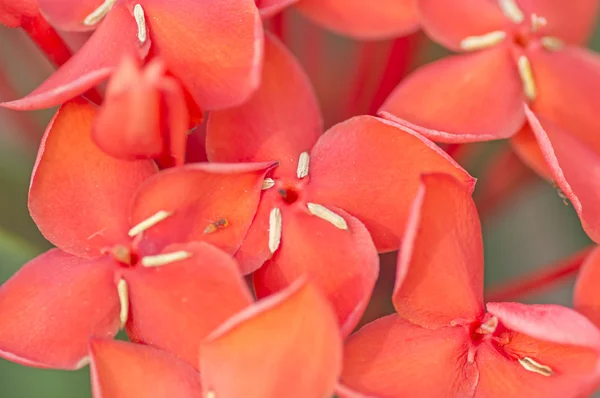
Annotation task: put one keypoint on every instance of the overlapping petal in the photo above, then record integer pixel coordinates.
(363, 20)
(12, 13)
(79, 196)
(67, 14)
(370, 168)
(440, 264)
(461, 98)
(286, 345)
(281, 120)
(586, 298)
(122, 370)
(346, 274)
(53, 305)
(269, 8)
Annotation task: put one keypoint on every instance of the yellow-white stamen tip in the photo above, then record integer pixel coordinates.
(478, 42)
(149, 222)
(537, 22)
(303, 163)
(140, 19)
(527, 77)
(275, 224)
(164, 259)
(99, 13)
(533, 366)
(511, 10)
(490, 326)
(327, 215)
(552, 43)
(267, 183)
(123, 291)
(210, 394)
(83, 362)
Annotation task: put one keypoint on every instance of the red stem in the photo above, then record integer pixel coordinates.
(46, 38)
(540, 280)
(358, 82)
(277, 25)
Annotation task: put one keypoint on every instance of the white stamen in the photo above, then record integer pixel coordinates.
(490, 326)
(327, 215)
(274, 230)
(267, 183)
(303, 163)
(210, 394)
(478, 42)
(527, 77)
(140, 19)
(123, 291)
(149, 222)
(99, 13)
(164, 259)
(532, 366)
(552, 43)
(537, 22)
(85, 361)
(511, 10)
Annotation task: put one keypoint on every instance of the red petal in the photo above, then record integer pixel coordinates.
(12, 12)
(53, 305)
(392, 357)
(280, 121)
(586, 298)
(269, 8)
(115, 37)
(344, 263)
(440, 266)
(449, 22)
(175, 306)
(124, 370)
(286, 345)
(461, 98)
(569, 160)
(68, 14)
(79, 197)
(526, 147)
(364, 20)
(213, 47)
(371, 168)
(212, 202)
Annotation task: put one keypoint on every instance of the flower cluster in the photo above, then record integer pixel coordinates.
(242, 267)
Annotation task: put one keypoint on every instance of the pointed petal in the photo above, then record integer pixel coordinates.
(286, 345)
(570, 162)
(208, 202)
(440, 265)
(123, 370)
(342, 262)
(378, 353)
(93, 63)
(213, 47)
(269, 8)
(371, 167)
(461, 98)
(79, 197)
(363, 20)
(205, 289)
(68, 15)
(586, 299)
(448, 23)
(53, 305)
(280, 120)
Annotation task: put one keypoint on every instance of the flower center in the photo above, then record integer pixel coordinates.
(289, 195)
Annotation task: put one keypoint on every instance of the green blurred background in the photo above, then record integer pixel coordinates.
(532, 229)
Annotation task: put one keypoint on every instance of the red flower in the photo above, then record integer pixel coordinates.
(325, 191)
(117, 225)
(213, 47)
(443, 341)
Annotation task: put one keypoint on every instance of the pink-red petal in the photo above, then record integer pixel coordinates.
(79, 196)
(586, 298)
(269, 8)
(370, 168)
(13, 12)
(461, 98)
(286, 345)
(124, 370)
(67, 14)
(53, 305)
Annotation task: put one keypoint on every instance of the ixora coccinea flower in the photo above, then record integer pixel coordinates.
(213, 47)
(329, 191)
(443, 341)
(128, 249)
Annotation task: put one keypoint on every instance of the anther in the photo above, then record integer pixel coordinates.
(537, 22)
(303, 163)
(552, 43)
(83, 362)
(489, 326)
(478, 42)
(140, 19)
(149, 222)
(123, 291)
(274, 230)
(267, 183)
(511, 10)
(327, 215)
(99, 13)
(164, 259)
(533, 366)
(219, 224)
(210, 394)
(527, 77)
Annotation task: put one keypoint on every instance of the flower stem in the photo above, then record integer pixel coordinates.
(46, 38)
